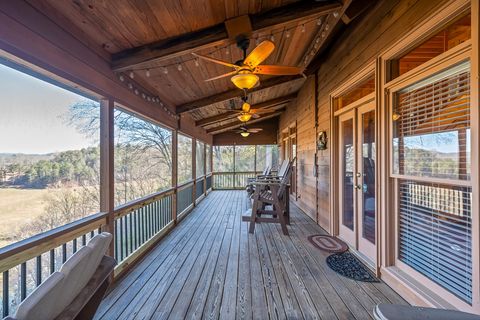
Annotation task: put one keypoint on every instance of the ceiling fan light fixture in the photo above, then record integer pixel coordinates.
(245, 134)
(245, 81)
(244, 116)
(246, 107)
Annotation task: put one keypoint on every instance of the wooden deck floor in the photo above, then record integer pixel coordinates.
(210, 267)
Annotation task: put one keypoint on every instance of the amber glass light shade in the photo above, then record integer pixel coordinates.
(245, 134)
(246, 107)
(244, 117)
(245, 81)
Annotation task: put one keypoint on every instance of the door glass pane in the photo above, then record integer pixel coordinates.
(368, 167)
(348, 179)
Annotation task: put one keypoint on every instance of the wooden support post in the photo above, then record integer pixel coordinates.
(174, 174)
(234, 169)
(205, 169)
(106, 166)
(194, 169)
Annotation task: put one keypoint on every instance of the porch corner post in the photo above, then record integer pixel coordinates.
(174, 174)
(107, 186)
(194, 170)
(204, 169)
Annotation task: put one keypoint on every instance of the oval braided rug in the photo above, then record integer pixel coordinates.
(328, 243)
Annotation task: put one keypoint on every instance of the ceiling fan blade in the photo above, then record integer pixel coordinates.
(225, 63)
(259, 54)
(260, 111)
(255, 115)
(222, 76)
(254, 130)
(277, 70)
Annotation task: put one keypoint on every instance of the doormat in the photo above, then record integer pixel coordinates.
(347, 265)
(328, 243)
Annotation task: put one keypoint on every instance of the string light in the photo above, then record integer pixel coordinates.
(335, 14)
(130, 86)
(136, 92)
(121, 78)
(287, 32)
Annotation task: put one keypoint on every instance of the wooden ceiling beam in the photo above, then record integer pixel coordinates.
(237, 124)
(230, 94)
(142, 56)
(232, 114)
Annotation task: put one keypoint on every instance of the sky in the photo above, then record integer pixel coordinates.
(32, 116)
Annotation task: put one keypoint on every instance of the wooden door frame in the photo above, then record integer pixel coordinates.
(360, 76)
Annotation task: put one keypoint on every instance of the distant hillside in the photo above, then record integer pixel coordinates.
(23, 158)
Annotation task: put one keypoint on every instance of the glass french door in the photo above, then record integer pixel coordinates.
(357, 214)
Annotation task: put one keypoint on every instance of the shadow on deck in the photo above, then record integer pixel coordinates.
(210, 267)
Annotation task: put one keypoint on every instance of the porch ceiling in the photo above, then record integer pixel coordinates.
(135, 36)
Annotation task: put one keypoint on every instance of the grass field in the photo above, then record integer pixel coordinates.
(18, 206)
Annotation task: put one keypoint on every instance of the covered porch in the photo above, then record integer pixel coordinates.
(178, 105)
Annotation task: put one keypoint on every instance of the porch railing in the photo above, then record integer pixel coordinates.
(139, 225)
(232, 180)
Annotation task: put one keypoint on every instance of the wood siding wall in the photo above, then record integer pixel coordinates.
(359, 45)
(302, 110)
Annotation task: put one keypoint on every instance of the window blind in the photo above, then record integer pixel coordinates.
(435, 236)
(431, 123)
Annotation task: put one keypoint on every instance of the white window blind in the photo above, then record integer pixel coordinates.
(431, 138)
(432, 127)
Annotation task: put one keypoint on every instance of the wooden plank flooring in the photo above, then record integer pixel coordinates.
(210, 267)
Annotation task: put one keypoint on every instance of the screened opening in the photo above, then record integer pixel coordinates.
(49, 155)
(143, 157)
(184, 154)
(451, 36)
(200, 155)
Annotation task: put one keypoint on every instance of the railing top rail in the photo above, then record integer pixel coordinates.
(40, 243)
(141, 202)
(235, 172)
(185, 184)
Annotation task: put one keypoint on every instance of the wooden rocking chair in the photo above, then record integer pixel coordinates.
(274, 193)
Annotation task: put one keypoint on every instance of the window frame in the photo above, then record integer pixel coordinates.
(447, 60)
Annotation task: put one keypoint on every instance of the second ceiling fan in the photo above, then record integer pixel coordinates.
(246, 70)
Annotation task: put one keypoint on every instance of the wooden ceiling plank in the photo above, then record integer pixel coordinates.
(230, 94)
(233, 114)
(141, 56)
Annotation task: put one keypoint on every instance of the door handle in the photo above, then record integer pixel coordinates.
(358, 187)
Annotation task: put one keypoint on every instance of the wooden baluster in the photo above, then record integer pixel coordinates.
(39, 270)
(130, 237)
(74, 245)
(5, 292)
(64, 252)
(23, 281)
(52, 261)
